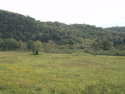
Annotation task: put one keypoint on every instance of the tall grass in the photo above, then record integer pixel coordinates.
(77, 73)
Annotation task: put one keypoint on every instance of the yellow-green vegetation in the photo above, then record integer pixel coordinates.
(78, 73)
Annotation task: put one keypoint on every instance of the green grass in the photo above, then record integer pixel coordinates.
(77, 73)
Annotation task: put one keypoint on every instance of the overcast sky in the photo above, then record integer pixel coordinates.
(101, 13)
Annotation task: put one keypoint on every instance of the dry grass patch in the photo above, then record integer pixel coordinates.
(47, 65)
(25, 84)
(81, 63)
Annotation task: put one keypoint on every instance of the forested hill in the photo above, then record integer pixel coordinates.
(20, 27)
(26, 28)
(117, 28)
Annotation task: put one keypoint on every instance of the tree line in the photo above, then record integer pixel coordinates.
(18, 32)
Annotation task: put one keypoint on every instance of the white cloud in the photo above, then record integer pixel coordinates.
(95, 12)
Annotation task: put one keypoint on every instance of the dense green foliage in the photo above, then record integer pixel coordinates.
(9, 44)
(120, 29)
(36, 47)
(25, 30)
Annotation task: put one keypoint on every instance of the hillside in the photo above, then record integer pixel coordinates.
(25, 28)
(22, 27)
(117, 28)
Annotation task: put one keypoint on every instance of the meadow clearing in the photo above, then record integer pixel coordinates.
(47, 73)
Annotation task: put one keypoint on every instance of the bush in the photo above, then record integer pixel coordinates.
(10, 44)
(88, 51)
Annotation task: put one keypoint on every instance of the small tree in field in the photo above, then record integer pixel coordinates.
(36, 47)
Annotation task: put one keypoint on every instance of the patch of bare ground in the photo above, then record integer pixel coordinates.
(80, 63)
(2, 57)
(3, 60)
(46, 65)
(7, 61)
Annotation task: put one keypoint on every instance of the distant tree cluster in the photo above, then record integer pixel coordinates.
(117, 28)
(9, 44)
(19, 32)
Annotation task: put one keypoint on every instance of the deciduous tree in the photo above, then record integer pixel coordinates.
(36, 47)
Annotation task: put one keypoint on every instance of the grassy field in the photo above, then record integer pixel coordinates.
(78, 73)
